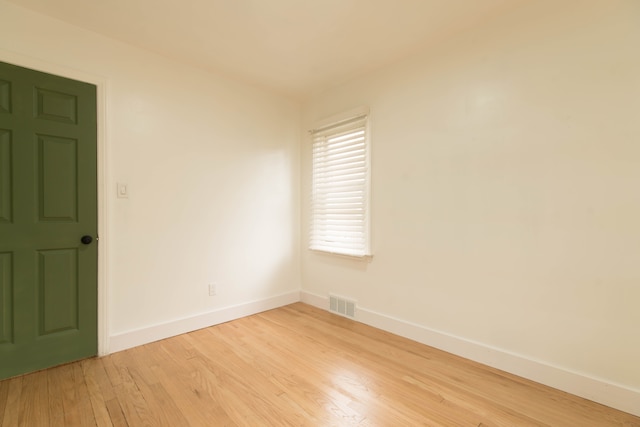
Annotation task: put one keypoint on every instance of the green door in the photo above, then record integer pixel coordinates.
(48, 276)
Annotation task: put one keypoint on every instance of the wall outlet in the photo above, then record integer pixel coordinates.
(123, 190)
(213, 289)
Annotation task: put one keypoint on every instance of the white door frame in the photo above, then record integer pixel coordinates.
(101, 85)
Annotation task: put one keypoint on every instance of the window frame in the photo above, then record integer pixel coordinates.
(331, 128)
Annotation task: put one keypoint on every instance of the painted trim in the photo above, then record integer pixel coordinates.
(101, 84)
(598, 390)
(337, 118)
(175, 327)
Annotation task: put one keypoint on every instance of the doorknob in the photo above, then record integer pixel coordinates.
(86, 240)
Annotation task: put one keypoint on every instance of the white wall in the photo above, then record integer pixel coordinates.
(506, 197)
(212, 167)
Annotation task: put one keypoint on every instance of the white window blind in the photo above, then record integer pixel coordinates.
(340, 188)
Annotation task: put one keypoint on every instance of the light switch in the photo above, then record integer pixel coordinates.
(123, 191)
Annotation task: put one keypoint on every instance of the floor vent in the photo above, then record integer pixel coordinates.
(342, 306)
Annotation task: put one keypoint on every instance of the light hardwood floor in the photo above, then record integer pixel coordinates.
(293, 366)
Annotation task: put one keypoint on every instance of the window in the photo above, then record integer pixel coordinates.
(340, 187)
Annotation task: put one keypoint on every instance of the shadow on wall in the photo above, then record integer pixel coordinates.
(341, 261)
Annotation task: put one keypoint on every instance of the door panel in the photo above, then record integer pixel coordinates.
(57, 178)
(58, 290)
(6, 298)
(57, 106)
(48, 279)
(5, 176)
(5, 96)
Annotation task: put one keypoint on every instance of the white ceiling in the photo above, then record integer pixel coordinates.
(296, 47)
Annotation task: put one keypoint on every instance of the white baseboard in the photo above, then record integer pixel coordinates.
(129, 339)
(598, 390)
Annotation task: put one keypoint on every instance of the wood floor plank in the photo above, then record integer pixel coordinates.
(116, 414)
(94, 375)
(12, 408)
(113, 374)
(132, 402)
(156, 397)
(59, 380)
(293, 366)
(34, 401)
(82, 402)
(4, 396)
(184, 385)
